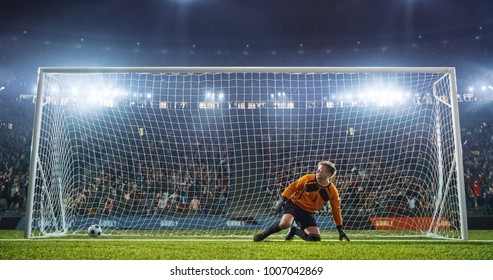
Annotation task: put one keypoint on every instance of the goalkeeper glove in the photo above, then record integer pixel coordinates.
(279, 205)
(342, 234)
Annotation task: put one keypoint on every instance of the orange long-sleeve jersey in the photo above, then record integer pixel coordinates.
(307, 194)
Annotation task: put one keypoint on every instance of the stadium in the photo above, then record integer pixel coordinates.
(174, 140)
(205, 152)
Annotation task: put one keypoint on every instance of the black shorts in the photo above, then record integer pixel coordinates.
(303, 218)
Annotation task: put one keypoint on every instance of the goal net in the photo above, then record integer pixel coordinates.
(198, 152)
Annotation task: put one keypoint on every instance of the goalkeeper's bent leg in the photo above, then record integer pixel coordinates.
(307, 237)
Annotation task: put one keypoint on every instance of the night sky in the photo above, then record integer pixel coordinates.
(41, 33)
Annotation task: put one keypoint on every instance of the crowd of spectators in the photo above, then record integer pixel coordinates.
(15, 141)
(477, 145)
(189, 174)
(137, 175)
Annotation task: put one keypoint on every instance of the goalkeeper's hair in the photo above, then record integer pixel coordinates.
(330, 165)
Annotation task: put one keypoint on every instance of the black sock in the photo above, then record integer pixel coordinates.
(301, 233)
(272, 229)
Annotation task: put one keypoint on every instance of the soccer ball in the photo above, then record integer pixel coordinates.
(94, 231)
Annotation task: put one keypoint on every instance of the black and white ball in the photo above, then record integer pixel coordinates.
(94, 231)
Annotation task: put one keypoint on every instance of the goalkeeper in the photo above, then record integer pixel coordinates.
(301, 199)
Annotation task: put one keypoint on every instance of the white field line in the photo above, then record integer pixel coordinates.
(106, 239)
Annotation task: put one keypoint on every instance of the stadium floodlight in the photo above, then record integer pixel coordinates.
(134, 166)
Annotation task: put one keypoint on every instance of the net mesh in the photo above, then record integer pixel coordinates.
(207, 154)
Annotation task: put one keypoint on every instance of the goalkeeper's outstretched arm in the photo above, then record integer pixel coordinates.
(335, 204)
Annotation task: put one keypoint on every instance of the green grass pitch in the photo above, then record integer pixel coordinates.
(14, 247)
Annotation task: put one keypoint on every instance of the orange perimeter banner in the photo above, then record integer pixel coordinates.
(407, 223)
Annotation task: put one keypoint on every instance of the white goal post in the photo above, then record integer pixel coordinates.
(204, 151)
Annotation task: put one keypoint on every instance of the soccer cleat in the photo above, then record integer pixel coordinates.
(290, 234)
(258, 237)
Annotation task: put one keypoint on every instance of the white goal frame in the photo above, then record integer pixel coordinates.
(448, 72)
